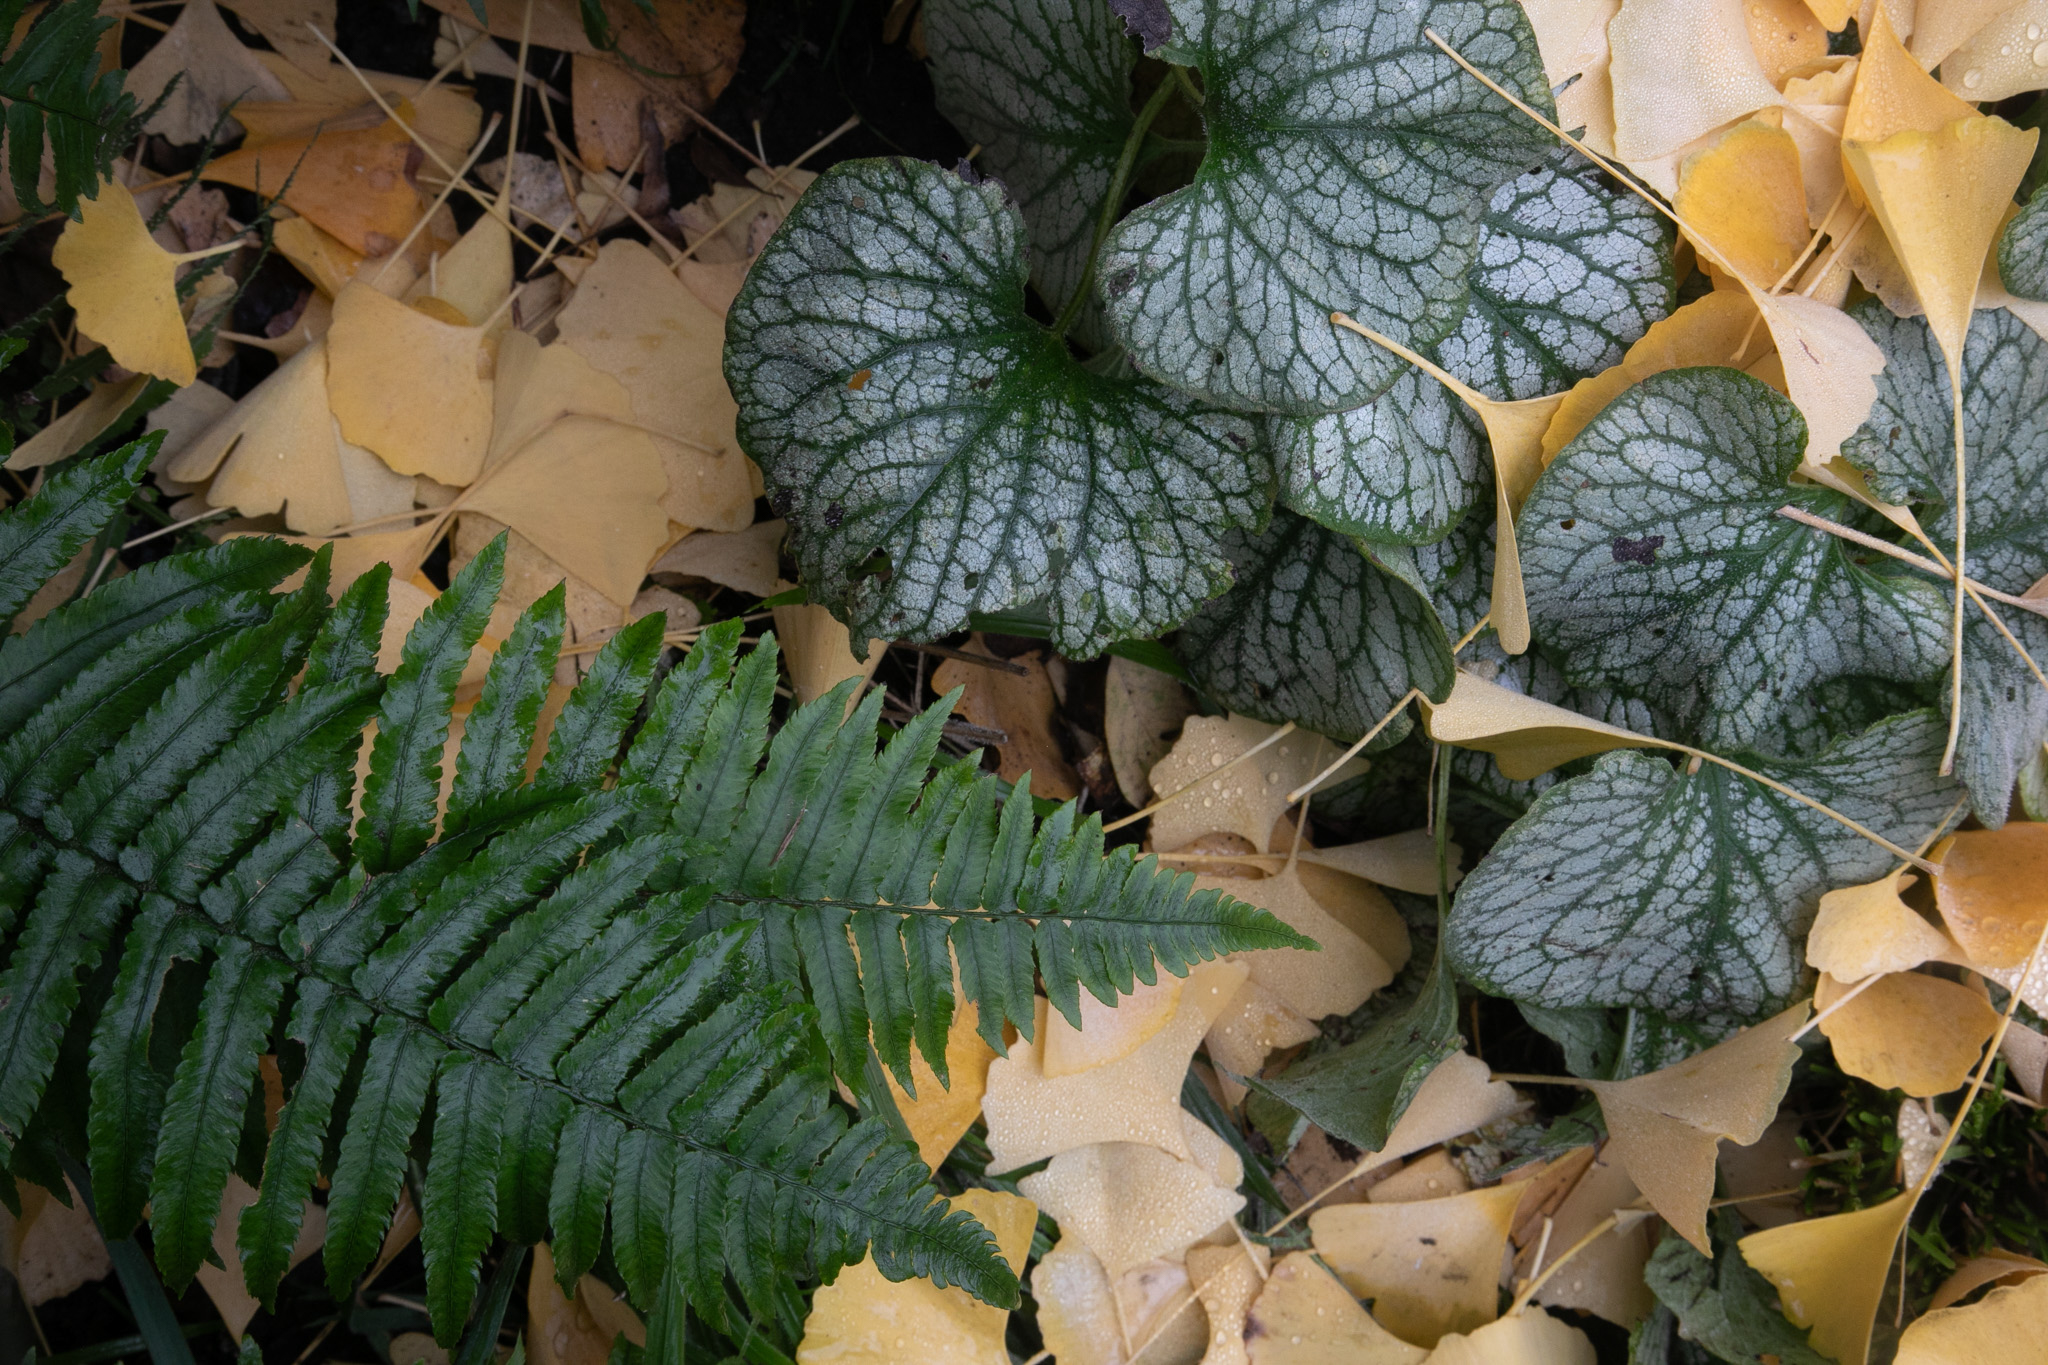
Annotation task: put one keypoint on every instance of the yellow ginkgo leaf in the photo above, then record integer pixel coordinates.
(1335, 980)
(1720, 328)
(324, 258)
(1667, 1125)
(355, 555)
(1834, 15)
(1129, 1203)
(1404, 862)
(1743, 200)
(632, 319)
(1526, 737)
(1256, 1023)
(1989, 891)
(1147, 1316)
(1682, 68)
(1515, 432)
(1245, 798)
(1942, 26)
(1571, 36)
(1227, 1279)
(1997, 62)
(1136, 1098)
(1830, 1272)
(1605, 1278)
(276, 446)
(1517, 1339)
(124, 287)
(534, 384)
(353, 181)
(1785, 36)
(212, 71)
(1829, 366)
(1990, 1266)
(2005, 1324)
(863, 1319)
(1430, 1267)
(1864, 930)
(83, 420)
(415, 389)
(1894, 92)
(579, 1331)
(587, 492)
(1941, 196)
(1305, 1316)
(941, 1113)
(1108, 1032)
(474, 276)
(1909, 1031)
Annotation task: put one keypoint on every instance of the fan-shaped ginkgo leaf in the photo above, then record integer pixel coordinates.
(1988, 887)
(1305, 1316)
(1830, 1272)
(1668, 1125)
(1865, 930)
(1908, 1031)
(124, 287)
(1430, 1266)
(413, 388)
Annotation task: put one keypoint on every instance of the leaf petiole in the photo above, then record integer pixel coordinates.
(1119, 186)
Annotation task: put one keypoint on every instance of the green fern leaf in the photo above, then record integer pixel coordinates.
(499, 732)
(52, 86)
(76, 501)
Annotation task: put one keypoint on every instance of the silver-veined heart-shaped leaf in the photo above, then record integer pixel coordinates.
(1045, 87)
(1647, 884)
(1349, 162)
(1400, 470)
(1318, 633)
(2023, 250)
(1907, 448)
(1571, 273)
(1656, 563)
(937, 452)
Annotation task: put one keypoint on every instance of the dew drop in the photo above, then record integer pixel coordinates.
(1208, 801)
(1973, 78)
(2033, 32)
(1271, 778)
(2041, 55)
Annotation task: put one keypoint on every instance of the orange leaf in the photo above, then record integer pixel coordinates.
(355, 183)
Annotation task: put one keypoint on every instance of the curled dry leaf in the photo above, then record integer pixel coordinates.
(124, 287)
(745, 560)
(1909, 1031)
(213, 71)
(1605, 1278)
(1143, 711)
(1404, 862)
(1430, 1267)
(1988, 890)
(819, 649)
(1993, 1266)
(53, 1248)
(1305, 1316)
(1021, 708)
(1863, 930)
(863, 1319)
(101, 407)
(1134, 1099)
(1667, 1124)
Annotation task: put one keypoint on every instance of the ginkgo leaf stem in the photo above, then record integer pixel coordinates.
(1214, 772)
(1962, 569)
(148, 536)
(186, 257)
(776, 180)
(1518, 1078)
(518, 90)
(1803, 799)
(1861, 986)
(1301, 792)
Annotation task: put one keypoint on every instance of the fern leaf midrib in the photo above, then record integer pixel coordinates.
(345, 988)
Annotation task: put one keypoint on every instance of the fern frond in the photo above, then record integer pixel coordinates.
(53, 87)
(614, 996)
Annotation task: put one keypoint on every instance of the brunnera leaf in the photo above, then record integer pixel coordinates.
(2023, 250)
(1569, 274)
(1687, 892)
(1044, 86)
(1907, 447)
(1319, 630)
(939, 453)
(1349, 162)
(1656, 563)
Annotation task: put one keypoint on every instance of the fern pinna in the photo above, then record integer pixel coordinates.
(626, 984)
